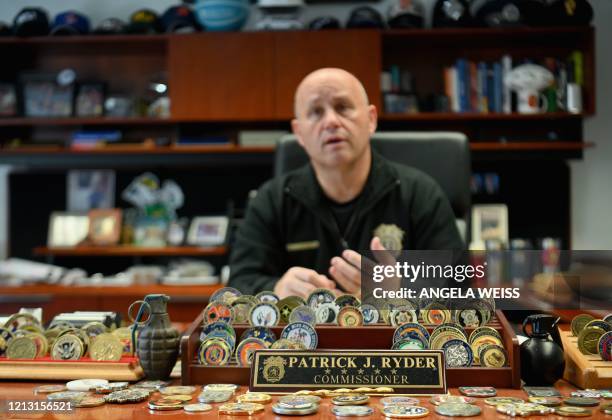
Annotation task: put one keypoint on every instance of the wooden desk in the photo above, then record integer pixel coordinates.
(186, 302)
(22, 391)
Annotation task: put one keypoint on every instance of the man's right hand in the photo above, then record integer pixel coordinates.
(300, 281)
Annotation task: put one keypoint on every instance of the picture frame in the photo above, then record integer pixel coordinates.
(8, 100)
(150, 232)
(67, 229)
(90, 189)
(208, 230)
(104, 226)
(89, 101)
(490, 221)
(43, 97)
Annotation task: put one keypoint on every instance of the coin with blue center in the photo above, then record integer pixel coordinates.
(604, 347)
(409, 328)
(352, 411)
(457, 353)
(370, 314)
(302, 333)
(264, 333)
(303, 313)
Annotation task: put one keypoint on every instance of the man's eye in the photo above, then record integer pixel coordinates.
(316, 112)
(341, 108)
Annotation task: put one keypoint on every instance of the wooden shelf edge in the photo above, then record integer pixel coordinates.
(203, 291)
(429, 32)
(476, 116)
(235, 149)
(421, 116)
(529, 145)
(127, 149)
(125, 250)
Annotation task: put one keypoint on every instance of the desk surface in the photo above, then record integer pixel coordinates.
(24, 391)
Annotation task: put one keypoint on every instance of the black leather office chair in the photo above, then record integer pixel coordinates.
(445, 156)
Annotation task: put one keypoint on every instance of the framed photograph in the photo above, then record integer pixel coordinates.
(90, 100)
(67, 229)
(44, 97)
(90, 189)
(150, 232)
(104, 226)
(208, 231)
(8, 100)
(490, 221)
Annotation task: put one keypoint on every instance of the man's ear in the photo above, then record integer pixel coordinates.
(295, 127)
(373, 118)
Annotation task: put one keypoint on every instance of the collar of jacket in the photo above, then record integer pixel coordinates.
(304, 187)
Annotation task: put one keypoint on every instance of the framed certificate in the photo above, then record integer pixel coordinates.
(208, 231)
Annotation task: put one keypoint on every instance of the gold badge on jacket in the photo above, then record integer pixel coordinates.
(391, 237)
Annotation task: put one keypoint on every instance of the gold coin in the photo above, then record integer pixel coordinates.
(67, 347)
(240, 409)
(125, 336)
(89, 401)
(254, 397)
(492, 355)
(42, 345)
(177, 390)
(579, 322)
(21, 348)
(588, 340)
(179, 397)
(106, 347)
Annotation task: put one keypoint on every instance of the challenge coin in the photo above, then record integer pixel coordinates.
(404, 411)
(85, 384)
(352, 411)
(455, 399)
(349, 316)
(254, 397)
(240, 409)
(303, 313)
(457, 409)
(604, 346)
(197, 408)
(350, 399)
(457, 353)
(478, 391)
(264, 315)
(370, 314)
(177, 390)
(244, 352)
(302, 333)
(568, 411)
(399, 401)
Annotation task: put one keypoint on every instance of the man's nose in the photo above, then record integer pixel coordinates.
(331, 119)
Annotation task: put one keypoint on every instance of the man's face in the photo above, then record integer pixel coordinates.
(333, 120)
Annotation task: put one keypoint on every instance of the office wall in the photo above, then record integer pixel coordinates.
(591, 178)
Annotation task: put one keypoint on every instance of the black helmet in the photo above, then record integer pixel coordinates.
(498, 12)
(570, 12)
(406, 14)
(324, 22)
(365, 17)
(31, 21)
(451, 14)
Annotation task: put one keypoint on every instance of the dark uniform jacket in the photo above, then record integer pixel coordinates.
(289, 223)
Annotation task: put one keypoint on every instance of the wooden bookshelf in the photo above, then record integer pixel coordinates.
(129, 251)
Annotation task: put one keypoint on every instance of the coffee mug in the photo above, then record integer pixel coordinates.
(531, 102)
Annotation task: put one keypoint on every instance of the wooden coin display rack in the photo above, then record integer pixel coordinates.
(45, 368)
(333, 337)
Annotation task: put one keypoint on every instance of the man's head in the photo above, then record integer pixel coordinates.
(333, 119)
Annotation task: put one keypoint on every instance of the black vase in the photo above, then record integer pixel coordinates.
(542, 361)
(158, 342)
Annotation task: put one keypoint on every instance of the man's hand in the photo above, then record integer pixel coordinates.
(300, 281)
(346, 270)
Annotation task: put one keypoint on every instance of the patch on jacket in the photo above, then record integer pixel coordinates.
(391, 237)
(303, 246)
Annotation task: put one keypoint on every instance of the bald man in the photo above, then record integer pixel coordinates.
(304, 230)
